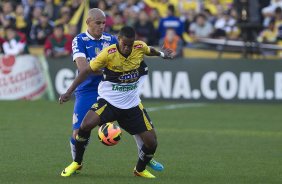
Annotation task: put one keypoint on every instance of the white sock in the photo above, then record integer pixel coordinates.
(139, 143)
(73, 150)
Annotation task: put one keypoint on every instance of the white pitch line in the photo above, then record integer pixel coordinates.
(175, 106)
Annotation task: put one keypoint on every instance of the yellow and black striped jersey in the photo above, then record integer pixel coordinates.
(120, 69)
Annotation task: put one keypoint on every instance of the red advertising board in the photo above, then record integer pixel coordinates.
(21, 77)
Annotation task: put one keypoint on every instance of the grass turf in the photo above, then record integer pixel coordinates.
(214, 143)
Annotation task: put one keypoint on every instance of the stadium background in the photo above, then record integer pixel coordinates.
(216, 107)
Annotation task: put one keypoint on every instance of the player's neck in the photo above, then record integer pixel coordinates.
(124, 55)
(94, 35)
(97, 37)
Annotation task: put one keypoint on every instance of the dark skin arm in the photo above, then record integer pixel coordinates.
(155, 52)
(81, 64)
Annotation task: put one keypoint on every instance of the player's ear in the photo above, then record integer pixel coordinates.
(88, 20)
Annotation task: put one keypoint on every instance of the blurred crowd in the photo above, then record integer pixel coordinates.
(52, 24)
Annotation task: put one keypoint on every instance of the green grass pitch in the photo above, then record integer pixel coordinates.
(209, 143)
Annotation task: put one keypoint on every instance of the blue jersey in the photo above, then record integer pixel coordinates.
(171, 22)
(84, 45)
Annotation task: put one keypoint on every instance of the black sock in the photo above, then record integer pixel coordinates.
(145, 156)
(82, 139)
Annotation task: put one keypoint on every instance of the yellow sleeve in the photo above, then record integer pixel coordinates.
(146, 48)
(100, 61)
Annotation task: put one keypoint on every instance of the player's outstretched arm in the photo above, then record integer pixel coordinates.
(164, 53)
(78, 80)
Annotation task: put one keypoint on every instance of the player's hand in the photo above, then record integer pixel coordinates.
(168, 53)
(64, 98)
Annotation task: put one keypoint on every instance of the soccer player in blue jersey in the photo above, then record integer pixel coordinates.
(86, 46)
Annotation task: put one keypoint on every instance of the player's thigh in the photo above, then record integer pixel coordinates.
(83, 103)
(135, 120)
(90, 121)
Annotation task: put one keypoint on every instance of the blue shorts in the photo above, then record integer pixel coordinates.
(83, 103)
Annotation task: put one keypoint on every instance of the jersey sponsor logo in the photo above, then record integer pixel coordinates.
(108, 38)
(138, 46)
(124, 88)
(129, 76)
(88, 47)
(112, 50)
(85, 38)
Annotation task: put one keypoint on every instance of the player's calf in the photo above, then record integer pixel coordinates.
(146, 154)
(81, 139)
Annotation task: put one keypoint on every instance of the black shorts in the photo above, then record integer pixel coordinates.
(134, 120)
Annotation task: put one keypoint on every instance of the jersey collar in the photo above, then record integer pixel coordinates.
(92, 38)
(125, 56)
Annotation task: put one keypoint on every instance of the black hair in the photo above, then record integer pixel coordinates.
(278, 10)
(171, 8)
(127, 32)
(200, 15)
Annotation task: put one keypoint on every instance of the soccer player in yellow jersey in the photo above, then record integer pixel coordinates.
(118, 98)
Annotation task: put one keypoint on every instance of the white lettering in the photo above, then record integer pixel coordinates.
(251, 86)
(63, 80)
(206, 85)
(182, 86)
(75, 45)
(278, 85)
(227, 85)
(161, 84)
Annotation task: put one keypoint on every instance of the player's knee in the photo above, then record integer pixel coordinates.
(155, 144)
(74, 133)
(152, 144)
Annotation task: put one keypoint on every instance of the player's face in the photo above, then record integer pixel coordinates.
(125, 45)
(96, 26)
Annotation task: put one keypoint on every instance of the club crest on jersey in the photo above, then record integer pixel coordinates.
(97, 50)
(138, 46)
(112, 50)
